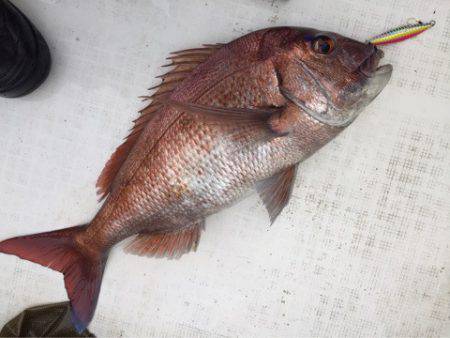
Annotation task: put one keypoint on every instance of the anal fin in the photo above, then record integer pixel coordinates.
(276, 191)
(171, 244)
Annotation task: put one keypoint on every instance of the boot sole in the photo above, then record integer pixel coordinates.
(40, 71)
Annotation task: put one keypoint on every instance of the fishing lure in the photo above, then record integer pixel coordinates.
(401, 33)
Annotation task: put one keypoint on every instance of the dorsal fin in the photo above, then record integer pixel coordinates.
(183, 62)
(172, 244)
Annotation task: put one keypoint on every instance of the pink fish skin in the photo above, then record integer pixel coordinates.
(225, 119)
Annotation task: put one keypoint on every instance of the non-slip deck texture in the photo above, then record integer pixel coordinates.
(363, 249)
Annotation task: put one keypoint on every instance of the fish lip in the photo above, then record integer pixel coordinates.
(370, 66)
(374, 79)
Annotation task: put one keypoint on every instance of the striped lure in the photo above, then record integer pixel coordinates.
(402, 33)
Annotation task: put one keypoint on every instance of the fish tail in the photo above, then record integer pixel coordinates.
(82, 269)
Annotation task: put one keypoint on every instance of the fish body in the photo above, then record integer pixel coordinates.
(226, 119)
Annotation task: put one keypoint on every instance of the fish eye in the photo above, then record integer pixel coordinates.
(323, 44)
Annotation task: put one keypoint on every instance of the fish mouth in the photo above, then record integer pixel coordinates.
(373, 80)
(370, 66)
(376, 78)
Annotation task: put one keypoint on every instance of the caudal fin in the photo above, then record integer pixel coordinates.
(82, 272)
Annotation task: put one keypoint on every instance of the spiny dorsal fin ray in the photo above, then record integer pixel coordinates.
(205, 49)
(172, 244)
(183, 63)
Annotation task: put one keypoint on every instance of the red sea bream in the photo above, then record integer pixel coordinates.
(225, 119)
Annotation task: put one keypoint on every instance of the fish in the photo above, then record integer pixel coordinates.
(226, 119)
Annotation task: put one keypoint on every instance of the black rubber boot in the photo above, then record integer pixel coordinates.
(24, 54)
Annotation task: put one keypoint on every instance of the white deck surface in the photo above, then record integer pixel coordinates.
(363, 248)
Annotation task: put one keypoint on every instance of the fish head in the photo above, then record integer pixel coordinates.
(331, 77)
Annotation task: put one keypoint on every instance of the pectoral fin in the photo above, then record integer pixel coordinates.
(278, 120)
(276, 191)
